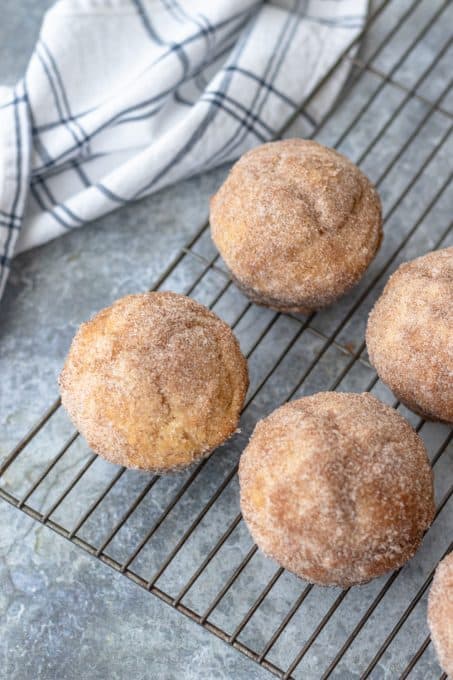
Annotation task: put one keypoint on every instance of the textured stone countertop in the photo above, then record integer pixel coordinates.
(63, 614)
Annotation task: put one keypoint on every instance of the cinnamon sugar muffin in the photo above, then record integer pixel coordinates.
(440, 613)
(155, 381)
(297, 224)
(410, 335)
(337, 488)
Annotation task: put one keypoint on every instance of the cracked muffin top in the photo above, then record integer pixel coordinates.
(337, 488)
(155, 381)
(440, 613)
(297, 224)
(410, 331)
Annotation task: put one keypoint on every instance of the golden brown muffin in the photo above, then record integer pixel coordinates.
(410, 335)
(337, 488)
(297, 224)
(440, 613)
(156, 381)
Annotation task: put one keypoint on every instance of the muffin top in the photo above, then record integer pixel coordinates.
(296, 222)
(440, 613)
(410, 334)
(337, 488)
(154, 381)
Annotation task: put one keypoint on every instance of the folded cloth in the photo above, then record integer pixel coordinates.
(124, 97)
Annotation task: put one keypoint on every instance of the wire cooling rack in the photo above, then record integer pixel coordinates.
(182, 537)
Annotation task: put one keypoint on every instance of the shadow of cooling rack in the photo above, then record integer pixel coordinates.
(182, 536)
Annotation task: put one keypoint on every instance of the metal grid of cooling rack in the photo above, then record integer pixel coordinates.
(182, 537)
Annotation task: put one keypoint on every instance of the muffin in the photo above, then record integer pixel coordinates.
(440, 613)
(337, 488)
(155, 381)
(410, 335)
(297, 224)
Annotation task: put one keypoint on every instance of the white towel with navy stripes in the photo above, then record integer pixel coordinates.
(124, 97)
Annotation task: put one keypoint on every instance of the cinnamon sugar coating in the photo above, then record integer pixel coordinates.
(337, 488)
(297, 224)
(410, 335)
(440, 613)
(155, 381)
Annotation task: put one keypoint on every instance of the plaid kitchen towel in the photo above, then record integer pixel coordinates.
(123, 97)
